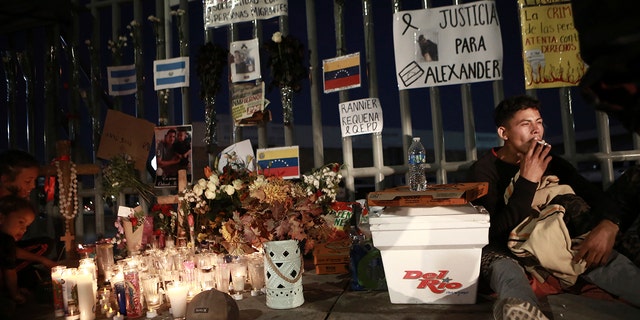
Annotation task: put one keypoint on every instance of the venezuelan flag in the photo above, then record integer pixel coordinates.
(282, 162)
(342, 72)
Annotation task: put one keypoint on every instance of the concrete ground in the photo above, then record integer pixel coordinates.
(329, 297)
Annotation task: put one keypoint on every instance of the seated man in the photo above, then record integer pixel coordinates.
(520, 126)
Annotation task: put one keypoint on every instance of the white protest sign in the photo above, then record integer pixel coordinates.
(360, 117)
(447, 45)
(219, 13)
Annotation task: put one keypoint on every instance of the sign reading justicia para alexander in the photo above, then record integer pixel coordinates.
(447, 45)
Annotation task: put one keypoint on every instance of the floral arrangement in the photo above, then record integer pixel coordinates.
(286, 61)
(121, 174)
(236, 210)
(116, 47)
(212, 59)
(137, 219)
(164, 219)
(214, 199)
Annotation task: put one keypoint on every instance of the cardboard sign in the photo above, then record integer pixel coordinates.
(125, 134)
(551, 47)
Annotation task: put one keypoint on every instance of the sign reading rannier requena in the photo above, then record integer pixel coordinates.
(360, 117)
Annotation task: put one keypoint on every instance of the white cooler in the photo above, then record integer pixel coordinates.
(431, 254)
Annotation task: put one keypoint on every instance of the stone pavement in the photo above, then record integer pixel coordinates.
(329, 297)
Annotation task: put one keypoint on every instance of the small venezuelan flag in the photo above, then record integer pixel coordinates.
(282, 162)
(341, 73)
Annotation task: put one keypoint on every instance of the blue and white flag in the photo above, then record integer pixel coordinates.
(171, 73)
(122, 80)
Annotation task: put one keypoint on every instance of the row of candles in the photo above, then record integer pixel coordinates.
(146, 279)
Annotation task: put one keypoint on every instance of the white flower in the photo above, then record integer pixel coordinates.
(277, 37)
(214, 178)
(210, 194)
(197, 189)
(202, 183)
(237, 184)
(211, 186)
(229, 189)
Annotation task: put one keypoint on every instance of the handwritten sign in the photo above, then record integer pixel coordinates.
(447, 45)
(125, 134)
(551, 48)
(360, 117)
(219, 13)
(246, 99)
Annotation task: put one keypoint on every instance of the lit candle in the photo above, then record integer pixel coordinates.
(238, 280)
(86, 296)
(110, 312)
(118, 317)
(177, 293)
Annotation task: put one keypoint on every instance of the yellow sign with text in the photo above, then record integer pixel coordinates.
(551, 50)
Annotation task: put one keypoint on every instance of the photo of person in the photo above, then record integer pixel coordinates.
(244, 59)
(428, 47)
(173, 153)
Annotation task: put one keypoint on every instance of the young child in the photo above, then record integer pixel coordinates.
(19, 171)
(16, 215)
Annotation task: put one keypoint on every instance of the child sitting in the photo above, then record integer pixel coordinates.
(16, 214)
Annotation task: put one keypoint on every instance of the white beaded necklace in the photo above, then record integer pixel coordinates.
(68, 202)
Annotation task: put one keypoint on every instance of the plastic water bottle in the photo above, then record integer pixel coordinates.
(417, 158)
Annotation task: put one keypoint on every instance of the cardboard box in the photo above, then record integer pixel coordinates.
(332, 252)
(429, 257)
(335, 268)
(451, 194)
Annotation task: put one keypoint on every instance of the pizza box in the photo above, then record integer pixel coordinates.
(332, 252)
(451, 194)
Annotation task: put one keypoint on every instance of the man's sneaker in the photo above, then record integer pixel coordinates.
(517, 309)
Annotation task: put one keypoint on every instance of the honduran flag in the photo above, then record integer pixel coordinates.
(282, 162)
(121, 80)
(171, 73)
(341, 73)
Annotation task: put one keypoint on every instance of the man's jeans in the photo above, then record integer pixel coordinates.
(619, 277)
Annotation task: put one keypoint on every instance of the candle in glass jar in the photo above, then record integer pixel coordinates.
(57, 282)
(177, 293)
(86, 296)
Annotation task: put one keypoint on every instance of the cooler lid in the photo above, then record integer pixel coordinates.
(432, 217)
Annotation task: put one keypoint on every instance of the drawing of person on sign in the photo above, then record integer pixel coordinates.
(428, 46)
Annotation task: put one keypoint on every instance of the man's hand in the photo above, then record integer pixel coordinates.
(534, 163)
(596, 247)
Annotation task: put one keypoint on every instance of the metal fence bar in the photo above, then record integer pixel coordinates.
(314, 69)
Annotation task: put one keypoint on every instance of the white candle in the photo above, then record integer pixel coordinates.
(177, 293)
(238, 280)
(86, 297)
(118, 317)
